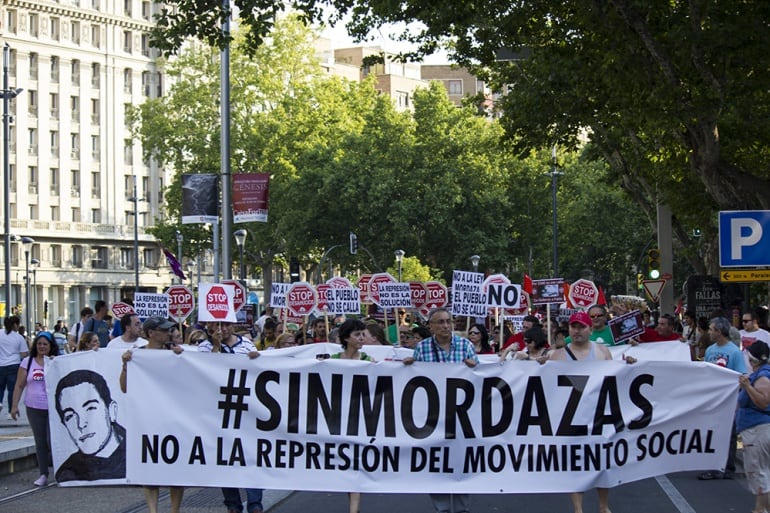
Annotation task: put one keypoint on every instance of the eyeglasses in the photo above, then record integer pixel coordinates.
(474, 333)
(746, 320)
(596, 316)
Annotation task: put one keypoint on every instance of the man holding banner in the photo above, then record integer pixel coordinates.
(445, 347)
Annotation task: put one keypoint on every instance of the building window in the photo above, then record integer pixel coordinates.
(33, 212)
(77, 251)
(56, 255)
(75, 108)
(11, 18)
(55, 28)
(75, 146)
(12, 63)
(32, 140)
(95, 147)
(54, 137)
(96, 184)
(34, 25)
(96, 216)
(75, 72)
(149, 258)
(95, 70)
(94, 111)
(12, 173)
(95, 36)
(55, 181)
(53, 100)
(146, 10)
(128, 76)
(454, 87)
(126, 258)
(128, 153)
(146, 83)
(75, 31)
(160, 84)
(95, 5)
(99, 259)
(32, 175)
(127, 7)
(127, 41)
(54, 69)
(75, 179)
(55, 213)
(32, 102)
(146, 45)
(33, 61)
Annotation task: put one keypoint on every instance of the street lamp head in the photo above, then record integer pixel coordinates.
(16, 92)
(179, 236)
(240, 237)
(400, 255)
(27, 241)
(34, 261)
(475, 261)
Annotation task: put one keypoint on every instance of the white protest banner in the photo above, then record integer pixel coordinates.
(216, 302)
(468, 298)
(395, 295)
(344, 300)
(278, 294)
(337, 425)
(83, 390)
(668, 351)
(150, 305)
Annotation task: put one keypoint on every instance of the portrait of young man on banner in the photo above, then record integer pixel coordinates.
(85, 407)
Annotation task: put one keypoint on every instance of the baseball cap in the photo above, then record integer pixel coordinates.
(760, 350)
(157, 323)
(581, 318)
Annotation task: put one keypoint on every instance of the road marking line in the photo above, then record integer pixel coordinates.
(677, 499)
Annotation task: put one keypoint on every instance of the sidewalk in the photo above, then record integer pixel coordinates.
(17, 447)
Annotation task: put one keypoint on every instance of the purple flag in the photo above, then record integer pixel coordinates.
(176, 267)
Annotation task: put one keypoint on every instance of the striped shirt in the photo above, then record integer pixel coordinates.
(460, 349)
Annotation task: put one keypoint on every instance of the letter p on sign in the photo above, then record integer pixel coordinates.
(744, 238)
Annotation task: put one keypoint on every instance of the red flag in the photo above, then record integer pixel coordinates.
(527, 286)
(601, 300)
(176, 267)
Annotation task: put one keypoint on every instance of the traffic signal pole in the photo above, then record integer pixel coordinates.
(665, 246)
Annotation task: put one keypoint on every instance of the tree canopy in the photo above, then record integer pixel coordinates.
(673, 95)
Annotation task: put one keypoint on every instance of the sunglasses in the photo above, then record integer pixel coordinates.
(474, 333)
(197, 340)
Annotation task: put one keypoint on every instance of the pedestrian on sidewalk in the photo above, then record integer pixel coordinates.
(32, 377)
(13, 349)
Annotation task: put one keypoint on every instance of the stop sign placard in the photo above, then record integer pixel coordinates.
(363, 286)
(301, 298)
(437, 296)
(583, 293)
(181, 302)
(419, 294)
(377, 279)
(323, 302)
(121, 309)
(239, 299)
(218, 302)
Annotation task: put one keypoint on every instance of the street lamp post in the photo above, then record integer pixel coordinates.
(7, 96)
(190, 270)
(399, 259)
(27, 243)
(34, 263)
(240, 240)
(475, 262)
(554, 183)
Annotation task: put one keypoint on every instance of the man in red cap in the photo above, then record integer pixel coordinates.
(581, 348)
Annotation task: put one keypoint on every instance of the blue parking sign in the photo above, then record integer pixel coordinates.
(744, 238)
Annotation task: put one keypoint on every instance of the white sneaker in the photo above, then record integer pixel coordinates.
(9, 417)
(41, 481)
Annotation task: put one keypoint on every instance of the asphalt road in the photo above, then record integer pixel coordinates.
(675, 493)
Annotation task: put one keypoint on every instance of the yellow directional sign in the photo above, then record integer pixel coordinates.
(744, 275)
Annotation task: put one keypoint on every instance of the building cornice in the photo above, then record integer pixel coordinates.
(80, 14)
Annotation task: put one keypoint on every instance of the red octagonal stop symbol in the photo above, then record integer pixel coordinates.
(301, 298)
(216, 302)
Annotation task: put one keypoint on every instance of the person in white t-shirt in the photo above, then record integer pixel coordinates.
(132, 328)
(750, 333)
(13, 348)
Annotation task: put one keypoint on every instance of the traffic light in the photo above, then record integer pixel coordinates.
(639, 278)
(353, 243)
(293, 270)
(653, 263)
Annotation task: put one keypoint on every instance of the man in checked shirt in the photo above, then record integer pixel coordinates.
(445, 347)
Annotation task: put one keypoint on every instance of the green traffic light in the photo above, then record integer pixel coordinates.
(654, 274)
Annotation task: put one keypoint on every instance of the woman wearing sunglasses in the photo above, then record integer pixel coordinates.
(479, 337)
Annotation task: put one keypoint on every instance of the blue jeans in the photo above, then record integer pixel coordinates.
(253, 499)
(8, 375)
